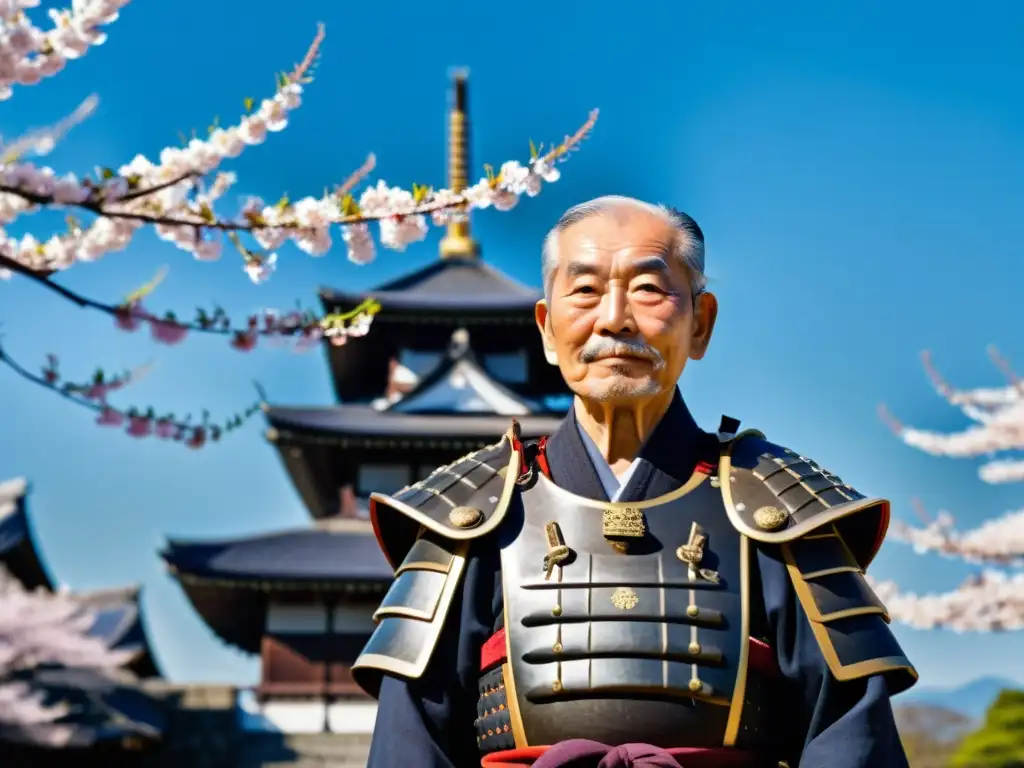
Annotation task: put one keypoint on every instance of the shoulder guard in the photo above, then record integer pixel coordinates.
(776, 496)
(849, 622)
(462, 501)
(413, 613)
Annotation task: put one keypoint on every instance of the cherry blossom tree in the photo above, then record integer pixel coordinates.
(179, 195)
(992, 599)
(43, 628)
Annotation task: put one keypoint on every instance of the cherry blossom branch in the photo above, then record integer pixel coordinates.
(999, 417)
(28, 54)
(305, 327)
(42, 141)
(137, 423)
(170, 195)
(996, 542)
(984, 398)
(992, 601)
(1003, 435)
(187, 222)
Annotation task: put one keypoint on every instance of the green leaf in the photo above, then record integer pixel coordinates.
(420, 192)
(248, 102)
(348, 205)
(533, 150)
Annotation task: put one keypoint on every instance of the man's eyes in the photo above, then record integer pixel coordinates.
(591, 290)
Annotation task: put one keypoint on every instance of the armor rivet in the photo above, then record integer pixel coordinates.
(693, 611)
(557, 648)
(696, 686)
(556, 611)
(770, 518)
(556, 686)
(694, 649)
(624, 599)
(465, 517)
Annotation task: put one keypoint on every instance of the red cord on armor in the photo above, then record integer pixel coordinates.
(493, 651)
(542, 457)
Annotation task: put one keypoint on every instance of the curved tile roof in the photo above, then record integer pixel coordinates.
(120, 622)
(471, 284)
(229, 583)
(18, 550)
(340, 554)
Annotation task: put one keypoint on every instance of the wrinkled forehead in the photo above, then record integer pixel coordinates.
(617, 241)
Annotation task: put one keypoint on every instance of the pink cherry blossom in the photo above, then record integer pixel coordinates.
(244, 341)
(129, 318)
(44, 628)
(139, 426)
(110, 418)
(168, 331)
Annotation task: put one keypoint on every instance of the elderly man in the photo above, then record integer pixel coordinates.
(633, 590)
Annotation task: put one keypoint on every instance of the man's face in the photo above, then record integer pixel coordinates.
(621, 320)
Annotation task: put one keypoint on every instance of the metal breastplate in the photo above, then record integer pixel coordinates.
(634, 646)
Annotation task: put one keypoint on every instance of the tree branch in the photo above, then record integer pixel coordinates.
(305, 326)
(136, 422)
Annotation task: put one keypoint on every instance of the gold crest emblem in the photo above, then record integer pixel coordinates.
(623, 523)
(624, 599)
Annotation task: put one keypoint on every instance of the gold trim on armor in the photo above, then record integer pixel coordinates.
(511, 473)
(830, 514)
(831, 571)
(840, 671)
(739, 691)
(511, 698)
(423, 565)
(415, 669)
(690, 485)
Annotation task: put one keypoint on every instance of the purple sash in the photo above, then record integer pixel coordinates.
(581, 753)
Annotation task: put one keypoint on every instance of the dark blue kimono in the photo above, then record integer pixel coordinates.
(428, 722)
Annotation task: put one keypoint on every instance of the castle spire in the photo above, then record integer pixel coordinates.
(458, 242)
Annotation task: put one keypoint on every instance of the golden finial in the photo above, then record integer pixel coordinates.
(458, 242)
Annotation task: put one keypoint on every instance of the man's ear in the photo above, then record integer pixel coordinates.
(705, 313)
(543, 319)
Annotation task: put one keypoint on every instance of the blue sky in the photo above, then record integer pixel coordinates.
(859, 175)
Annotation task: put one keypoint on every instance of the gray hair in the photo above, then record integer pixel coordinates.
(688, 248)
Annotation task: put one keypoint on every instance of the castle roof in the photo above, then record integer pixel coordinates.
(229, 582)
(447, 284)
(18, 550)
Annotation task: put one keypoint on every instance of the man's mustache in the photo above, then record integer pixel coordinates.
(606, 346)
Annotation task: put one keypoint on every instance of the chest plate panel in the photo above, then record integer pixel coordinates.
(642, 645)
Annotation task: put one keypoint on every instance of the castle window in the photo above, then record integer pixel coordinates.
(383, 478)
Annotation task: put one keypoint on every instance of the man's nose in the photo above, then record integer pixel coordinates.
(615, 316)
